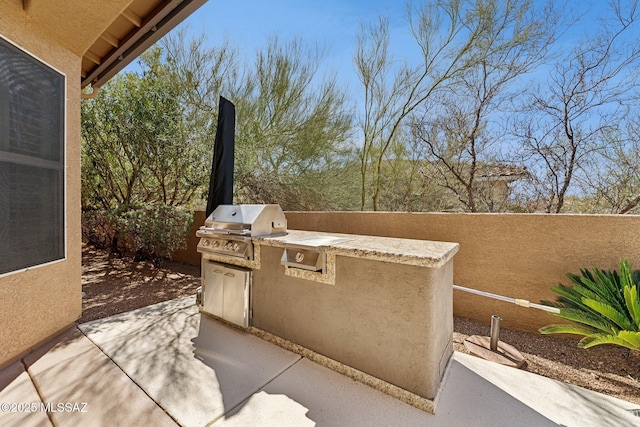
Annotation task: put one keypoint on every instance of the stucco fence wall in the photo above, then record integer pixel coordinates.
(515, 255)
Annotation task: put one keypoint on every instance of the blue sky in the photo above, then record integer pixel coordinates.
(250, 22)
(333, 23)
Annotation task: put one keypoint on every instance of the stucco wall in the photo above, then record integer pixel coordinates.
(390, 320)
(515, 255)
(43, 300)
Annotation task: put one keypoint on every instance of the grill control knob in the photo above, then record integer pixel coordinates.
(236, 247)
(215, 243)
(299, 257)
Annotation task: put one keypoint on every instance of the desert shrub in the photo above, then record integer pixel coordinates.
(96, 228)
(100, 228)
(603, 305)
(147, 231)
(155, 230)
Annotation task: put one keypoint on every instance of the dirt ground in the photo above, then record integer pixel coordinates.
(114, 285)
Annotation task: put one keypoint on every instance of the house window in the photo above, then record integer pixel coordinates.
(32, 161)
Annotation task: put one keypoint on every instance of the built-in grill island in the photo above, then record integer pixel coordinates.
(228, 257)
(383, 306)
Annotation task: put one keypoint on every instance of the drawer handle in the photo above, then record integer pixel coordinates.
(230, 275)
(217, 271)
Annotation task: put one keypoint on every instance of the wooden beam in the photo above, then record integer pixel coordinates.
(110, 38)
(93, 57)
(132, 17)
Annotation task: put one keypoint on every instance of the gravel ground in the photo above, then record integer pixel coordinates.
(611, 370)
(114, 285)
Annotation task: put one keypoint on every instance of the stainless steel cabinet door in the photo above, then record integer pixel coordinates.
(213, 287)
(237, 287)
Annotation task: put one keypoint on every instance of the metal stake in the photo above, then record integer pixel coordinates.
(495, 332)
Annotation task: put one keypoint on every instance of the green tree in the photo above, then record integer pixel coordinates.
(149, 136)
(471, 50)
(141, 161)
(565, 121)
(203, 73)
(293, 126)
(613, 182)
(138, 143)
(455, 126)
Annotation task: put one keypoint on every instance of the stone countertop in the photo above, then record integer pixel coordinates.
(422, 253)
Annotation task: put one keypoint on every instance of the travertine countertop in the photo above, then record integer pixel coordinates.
(423, 253)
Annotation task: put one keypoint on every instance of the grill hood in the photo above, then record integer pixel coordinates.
(247, 220)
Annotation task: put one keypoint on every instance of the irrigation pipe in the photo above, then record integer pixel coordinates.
(516, 301)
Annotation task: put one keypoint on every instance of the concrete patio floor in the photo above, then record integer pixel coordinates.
(168, 365)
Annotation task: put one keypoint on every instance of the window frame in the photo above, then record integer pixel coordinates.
(47, 164)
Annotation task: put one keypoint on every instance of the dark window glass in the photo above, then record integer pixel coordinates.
(32, 100)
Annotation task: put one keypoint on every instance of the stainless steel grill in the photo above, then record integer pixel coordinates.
(225, 239)
(229, 228)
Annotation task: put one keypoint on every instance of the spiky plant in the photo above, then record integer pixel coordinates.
(604, 306)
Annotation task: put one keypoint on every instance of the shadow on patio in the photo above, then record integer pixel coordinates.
(201, 372)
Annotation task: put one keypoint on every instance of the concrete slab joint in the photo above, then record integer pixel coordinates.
(168, 365)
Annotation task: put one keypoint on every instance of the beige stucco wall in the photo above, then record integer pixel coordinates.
(515, 255)
(43, 300)
(389, 320)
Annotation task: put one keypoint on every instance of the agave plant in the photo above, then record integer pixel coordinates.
(604, 306)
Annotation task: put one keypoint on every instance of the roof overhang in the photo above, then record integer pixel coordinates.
(139, 25)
